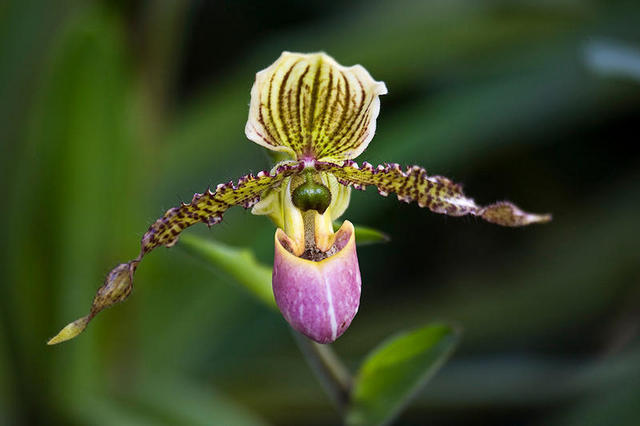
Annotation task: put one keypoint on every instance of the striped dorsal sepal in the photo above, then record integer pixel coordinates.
(311, 107)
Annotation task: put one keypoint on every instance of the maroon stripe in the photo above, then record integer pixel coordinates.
(269, 110)
(347, 127)
(285, 80)
(312, 107)
(323, 114)
(299, 110)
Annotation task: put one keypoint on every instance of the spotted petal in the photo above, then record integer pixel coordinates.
(311, 107)
(437, 193)
(205, 208)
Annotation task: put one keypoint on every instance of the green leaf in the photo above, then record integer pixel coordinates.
(240, 264)
(365, 235)
(396, 370)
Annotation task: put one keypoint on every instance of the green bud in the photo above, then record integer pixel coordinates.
(311, 195)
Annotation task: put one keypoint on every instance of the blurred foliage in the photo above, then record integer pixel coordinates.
(396, 370)
(112, 112)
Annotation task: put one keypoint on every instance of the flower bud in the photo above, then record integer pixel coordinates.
(318, 297)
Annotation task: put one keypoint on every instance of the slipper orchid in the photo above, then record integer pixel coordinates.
(320, 116)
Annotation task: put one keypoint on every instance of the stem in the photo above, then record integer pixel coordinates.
(328, 368)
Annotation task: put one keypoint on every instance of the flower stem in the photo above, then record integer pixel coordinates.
(328, 368)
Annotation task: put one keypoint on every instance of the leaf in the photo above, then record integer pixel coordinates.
(396, 370)
(365, 235)
(240, 264)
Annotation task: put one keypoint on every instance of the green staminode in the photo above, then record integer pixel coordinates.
(311, 195)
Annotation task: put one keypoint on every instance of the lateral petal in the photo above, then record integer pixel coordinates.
(207, 208)
(437, 193)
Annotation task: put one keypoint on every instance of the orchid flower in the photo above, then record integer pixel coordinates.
(319, 115)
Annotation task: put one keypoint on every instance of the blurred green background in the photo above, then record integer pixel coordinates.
(112, 112)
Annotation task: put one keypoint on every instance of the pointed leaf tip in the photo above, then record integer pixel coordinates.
(70, 331)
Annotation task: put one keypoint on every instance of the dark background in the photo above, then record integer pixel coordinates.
(112, 112)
